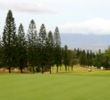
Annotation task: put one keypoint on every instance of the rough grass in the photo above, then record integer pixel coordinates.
(76, 85)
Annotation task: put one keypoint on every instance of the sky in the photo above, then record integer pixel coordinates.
(71, 16)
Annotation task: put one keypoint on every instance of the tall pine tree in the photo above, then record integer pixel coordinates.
(9, 41)
(42, 47)
(50, 50)
(32, 42)
(22, 52)
(57, 48)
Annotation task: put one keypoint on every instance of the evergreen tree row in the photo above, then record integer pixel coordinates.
(39, 50)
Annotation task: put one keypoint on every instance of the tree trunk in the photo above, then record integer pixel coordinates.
(21, 70)
(65, 68)
(42, 70)
(68, 68)
(9, 69)
(72, 68)
(50, 70)
(33, 70)
(57, 68)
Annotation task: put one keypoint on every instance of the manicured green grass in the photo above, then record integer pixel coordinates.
(64, 86)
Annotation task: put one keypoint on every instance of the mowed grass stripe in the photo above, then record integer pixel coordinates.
(53, 87)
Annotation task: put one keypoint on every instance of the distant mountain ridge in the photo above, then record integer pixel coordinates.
(86, 41)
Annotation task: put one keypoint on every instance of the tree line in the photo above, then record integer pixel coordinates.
(40, 51)
(85, 58)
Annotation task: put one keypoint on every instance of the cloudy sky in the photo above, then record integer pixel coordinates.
(71, 16)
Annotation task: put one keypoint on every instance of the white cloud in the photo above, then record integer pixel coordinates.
(80, 2)
(95, 26)
(24, 6)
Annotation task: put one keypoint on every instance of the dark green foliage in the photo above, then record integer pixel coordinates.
(1, 53)
(39, 51)
(9, 42)
(66, 57)
(72, 59)
(106, 62)
(42, 47)
(83, 58)
(98, 60)
(106, 59)
(78, 52)
(89, 58)
(50, 50)
(21, 46)
(57, 39)
(57, 48)
(69, 58)
(32, 44)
